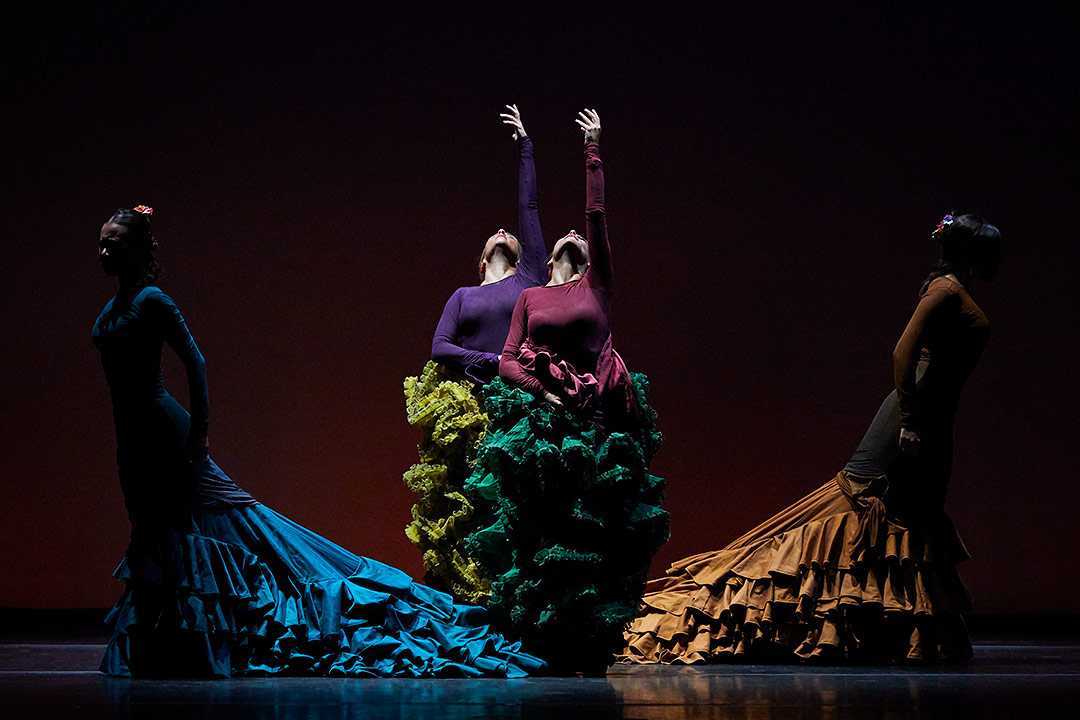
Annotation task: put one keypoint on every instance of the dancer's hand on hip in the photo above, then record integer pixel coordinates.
(198, 447)
(909, 442)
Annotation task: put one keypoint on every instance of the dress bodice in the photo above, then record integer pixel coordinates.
(130, 333)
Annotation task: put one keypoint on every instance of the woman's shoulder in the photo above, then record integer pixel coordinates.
(461, 295)
(944, 282)
(943, 295)
(149, 295)
(152, 299)
(942, 288)
(153, 294)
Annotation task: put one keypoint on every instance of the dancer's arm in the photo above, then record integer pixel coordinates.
(510, 369)
(445, 347)
(176, 334)
(599, 273)
(906, 364)
(532, 256)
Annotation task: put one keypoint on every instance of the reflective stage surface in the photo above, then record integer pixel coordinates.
(57, 679)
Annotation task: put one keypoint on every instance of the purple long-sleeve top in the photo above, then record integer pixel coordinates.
(560, 337)
(472, 330)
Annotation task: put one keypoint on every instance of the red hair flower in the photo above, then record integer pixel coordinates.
(144, 209)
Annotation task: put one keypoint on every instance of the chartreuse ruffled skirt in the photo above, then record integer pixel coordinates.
(443, 404)
(249, 592)
(567, 519)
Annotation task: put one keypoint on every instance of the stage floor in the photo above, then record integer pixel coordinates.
(57, 679)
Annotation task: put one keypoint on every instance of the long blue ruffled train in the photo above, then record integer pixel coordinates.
(252, 593)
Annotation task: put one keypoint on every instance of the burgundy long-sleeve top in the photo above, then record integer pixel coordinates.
(560, 337)
(473, 327)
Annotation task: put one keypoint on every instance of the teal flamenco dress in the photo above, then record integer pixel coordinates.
(218, 585)
(569, 518)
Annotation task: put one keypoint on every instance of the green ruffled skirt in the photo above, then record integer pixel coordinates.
(567, 520)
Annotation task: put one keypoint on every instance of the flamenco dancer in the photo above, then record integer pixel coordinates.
(569, 516)
(863, 568)
(444, 399)
(218, 584)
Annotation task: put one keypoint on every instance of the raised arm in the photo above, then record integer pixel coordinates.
(600, 270)
(510, 368)
(906, 363)
(480, 366)
(532, 258)
(176, 334)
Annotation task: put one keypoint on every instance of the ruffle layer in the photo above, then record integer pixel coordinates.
(830, 578)
(204, 604)
(568, 521)
(444, 406)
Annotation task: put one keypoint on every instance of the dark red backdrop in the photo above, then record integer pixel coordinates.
(323, 180)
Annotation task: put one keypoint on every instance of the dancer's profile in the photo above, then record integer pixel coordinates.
(218, 584)
(863, 568)
(569, 515)
(444, 399)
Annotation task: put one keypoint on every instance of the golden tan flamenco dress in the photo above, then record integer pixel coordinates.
(828, 578)
(863, 568)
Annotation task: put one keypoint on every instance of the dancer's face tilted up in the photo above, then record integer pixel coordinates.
(115, 251)
(501, 242)
(575, 248)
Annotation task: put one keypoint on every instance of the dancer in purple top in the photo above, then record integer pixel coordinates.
(444, 399)
(568, 515)
(472, 330)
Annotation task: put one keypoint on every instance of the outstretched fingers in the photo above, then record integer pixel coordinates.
(513, 119)
(589, 122)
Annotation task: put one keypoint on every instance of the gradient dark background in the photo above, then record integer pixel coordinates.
(324, 176)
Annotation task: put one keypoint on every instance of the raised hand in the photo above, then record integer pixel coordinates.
(513, 119)
(589, 122)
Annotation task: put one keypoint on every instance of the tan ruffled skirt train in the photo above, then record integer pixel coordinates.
(829, 579)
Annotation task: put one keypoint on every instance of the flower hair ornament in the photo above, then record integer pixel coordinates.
(945, 222)
(148, 212)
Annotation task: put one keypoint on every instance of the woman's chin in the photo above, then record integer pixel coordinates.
(571, 255)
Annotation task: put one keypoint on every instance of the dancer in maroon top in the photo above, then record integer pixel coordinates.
(559, 345)
(444, 400)
(569, 515)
